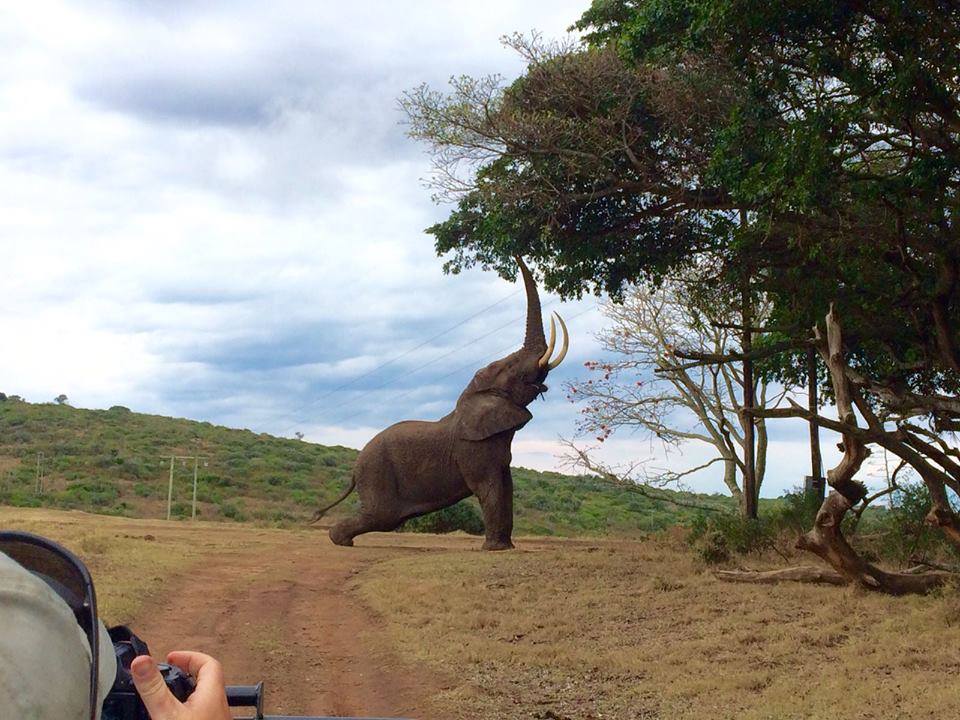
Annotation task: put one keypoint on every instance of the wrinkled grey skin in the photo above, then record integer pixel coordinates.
(416, 467)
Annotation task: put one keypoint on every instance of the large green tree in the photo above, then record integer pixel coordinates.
(806, 150)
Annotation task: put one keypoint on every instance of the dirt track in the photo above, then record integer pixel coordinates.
(284, 614)
(560, 628)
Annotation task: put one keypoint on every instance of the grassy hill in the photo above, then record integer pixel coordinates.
(118, 462)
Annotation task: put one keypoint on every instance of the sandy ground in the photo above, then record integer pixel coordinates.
(278, 606)
(430, 627)
(285, 614)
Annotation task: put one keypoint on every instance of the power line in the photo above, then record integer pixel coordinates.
(472, 363)
(475, 340)
(392, 360)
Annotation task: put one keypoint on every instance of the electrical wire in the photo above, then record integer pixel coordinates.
(358, 378)
(472, 363)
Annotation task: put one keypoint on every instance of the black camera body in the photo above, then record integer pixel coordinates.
(123, 702)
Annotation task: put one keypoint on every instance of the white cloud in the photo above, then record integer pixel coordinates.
(210, 210)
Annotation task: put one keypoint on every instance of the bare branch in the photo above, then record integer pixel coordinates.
(580, 458)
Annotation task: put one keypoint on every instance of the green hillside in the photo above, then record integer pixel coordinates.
(118, 462)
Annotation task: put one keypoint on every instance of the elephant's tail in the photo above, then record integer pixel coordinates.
(322, 511)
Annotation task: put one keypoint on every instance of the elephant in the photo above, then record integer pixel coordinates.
(416, 467)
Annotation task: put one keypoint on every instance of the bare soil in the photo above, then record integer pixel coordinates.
(429, 627)
(286, 614)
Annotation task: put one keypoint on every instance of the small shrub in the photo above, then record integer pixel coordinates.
(798, 511)
(96, 492)
(232, 509)
(209, 495)
(901, 532)
(142, 490)
(716, 537)
(462, 516)
(22, 498)
(712, 547)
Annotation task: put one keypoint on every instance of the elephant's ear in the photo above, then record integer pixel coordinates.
(481, 415)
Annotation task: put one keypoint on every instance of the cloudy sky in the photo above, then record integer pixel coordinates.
(210, 210)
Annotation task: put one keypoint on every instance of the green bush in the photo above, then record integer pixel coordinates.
(712, 547)
(21, 498)
(96, 492)
(209, 494)
(462, 516)
(901, 534)
(797, 511)
(233, 510)
(717, 536)
(305, 497)
(143, 490)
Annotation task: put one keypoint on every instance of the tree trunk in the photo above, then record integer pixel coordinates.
(760, 466)
(826, 539)
(816, 463)
(749, 460)
(730, 480)
(804, 573)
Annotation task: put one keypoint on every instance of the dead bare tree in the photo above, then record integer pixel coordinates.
(889, 413)
(645, 388)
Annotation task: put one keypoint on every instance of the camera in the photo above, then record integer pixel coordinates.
(123, 702)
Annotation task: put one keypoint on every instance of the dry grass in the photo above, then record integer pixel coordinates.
(130, 560)
(642, 631)
(577, 630)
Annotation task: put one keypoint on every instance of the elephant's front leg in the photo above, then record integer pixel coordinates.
(496, 500)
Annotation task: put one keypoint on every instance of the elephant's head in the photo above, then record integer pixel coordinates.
(496, 399)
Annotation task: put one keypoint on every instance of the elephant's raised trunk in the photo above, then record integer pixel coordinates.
(534, 339)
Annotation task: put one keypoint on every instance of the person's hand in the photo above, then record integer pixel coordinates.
(207, 702)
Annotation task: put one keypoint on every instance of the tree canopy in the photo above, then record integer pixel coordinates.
(811, 146)
(807, 151)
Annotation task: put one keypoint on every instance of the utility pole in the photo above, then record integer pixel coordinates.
(39, 473)
(170, 489)
(193, 510)
(196, 465)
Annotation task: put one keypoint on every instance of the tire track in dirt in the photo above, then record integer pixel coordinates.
(284, 614)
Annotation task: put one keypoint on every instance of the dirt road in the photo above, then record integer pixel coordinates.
(282, 612)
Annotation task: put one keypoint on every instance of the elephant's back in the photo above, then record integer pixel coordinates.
(415, 432)
(415, 455)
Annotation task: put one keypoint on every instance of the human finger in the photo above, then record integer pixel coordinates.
(157, 698)
(210, 689)
(196, 663)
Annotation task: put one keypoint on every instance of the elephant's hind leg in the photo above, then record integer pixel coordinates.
(345, 531)
(342, 533)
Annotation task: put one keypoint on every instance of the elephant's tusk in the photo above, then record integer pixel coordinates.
(545, 358)
(566, 343)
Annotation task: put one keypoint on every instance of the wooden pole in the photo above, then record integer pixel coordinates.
(170, 490)
(816, 462)
(39, 488)
(749, 452)
(194, 512)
